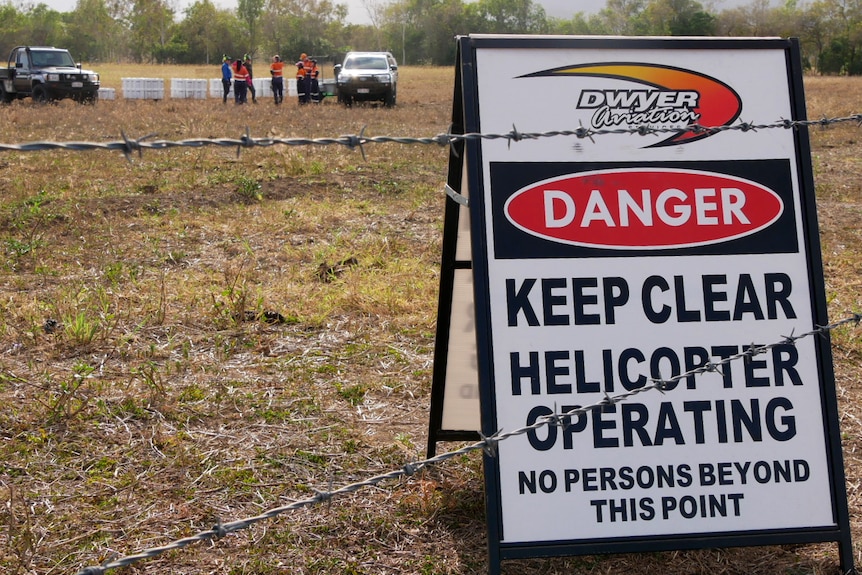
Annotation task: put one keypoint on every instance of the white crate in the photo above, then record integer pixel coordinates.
(263, 87)
(190, 88)
(143, 88)
(132, 87)
(107, 94)
(291, 87)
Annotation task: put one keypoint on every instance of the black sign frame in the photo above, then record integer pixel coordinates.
(466, 119)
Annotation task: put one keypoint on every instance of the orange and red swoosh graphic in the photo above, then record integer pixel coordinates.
(718, 104)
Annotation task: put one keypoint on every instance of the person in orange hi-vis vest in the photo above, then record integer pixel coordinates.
(276, 69)
(240, 83)
(301, 84)
(311, 74)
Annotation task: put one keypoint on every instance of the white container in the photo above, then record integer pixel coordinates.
(143, 88)
(154, 89)
(189, 88)
(132, 88)
(291, 87)
(178, 88)
(107, 94)
(263, 87)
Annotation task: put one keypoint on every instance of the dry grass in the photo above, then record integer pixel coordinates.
(143, 398)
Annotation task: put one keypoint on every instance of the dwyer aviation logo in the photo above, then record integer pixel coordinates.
(665, 97)
(643, 208)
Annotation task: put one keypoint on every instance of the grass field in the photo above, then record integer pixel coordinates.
(145, 395)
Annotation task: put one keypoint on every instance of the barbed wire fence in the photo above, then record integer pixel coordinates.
(487, 444)
(129, 146)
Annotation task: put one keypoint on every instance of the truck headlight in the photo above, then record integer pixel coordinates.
(53, 77)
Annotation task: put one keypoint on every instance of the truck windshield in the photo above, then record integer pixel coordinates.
(366, 63)
(41, 58)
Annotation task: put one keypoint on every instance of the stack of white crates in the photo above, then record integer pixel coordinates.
(107, 94)
(190, 88)
(263, 87)
(143, 88)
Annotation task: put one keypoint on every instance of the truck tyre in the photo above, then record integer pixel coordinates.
(389, 99)
(40, 94)
(5, 97)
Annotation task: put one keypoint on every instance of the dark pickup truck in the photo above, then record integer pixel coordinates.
(45, 74)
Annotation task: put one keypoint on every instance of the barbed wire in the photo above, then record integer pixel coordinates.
(128, 146)
(488, 444)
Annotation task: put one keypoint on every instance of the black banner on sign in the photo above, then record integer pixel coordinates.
(513, 242)
(657, 240)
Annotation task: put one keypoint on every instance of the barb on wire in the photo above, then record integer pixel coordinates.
(488, 444)
(128, 145)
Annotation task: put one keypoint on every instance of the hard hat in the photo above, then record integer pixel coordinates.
(304, 56)
(245, 56)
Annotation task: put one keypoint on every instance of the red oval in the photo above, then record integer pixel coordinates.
(643, 208)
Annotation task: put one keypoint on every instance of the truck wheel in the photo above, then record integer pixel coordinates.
(5, 98)
(389, 99)
(40, 95)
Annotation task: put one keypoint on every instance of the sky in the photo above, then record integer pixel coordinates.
(357, 13)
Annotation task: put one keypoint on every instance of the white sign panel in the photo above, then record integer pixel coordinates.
(622, 258)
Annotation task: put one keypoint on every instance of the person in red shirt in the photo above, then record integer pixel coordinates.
(276, 69)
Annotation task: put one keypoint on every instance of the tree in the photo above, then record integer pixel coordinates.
(507, 16)
(150, 23)
(577, 25)
(249, 12)
(677, 18)
(209, 33)
(842, 46)
(93, 34)
(620, 17)
(46, 27)
(427, 28)
(315, 27)
(376, 10)
(815, 30)
(13, 29)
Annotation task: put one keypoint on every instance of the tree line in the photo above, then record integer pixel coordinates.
(415, 31)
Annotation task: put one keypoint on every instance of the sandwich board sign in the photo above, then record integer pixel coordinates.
(655, 239)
